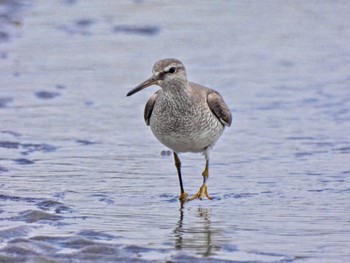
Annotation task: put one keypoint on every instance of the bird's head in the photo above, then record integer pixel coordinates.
(168, 73)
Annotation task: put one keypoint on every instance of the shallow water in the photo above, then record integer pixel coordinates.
(83, 178)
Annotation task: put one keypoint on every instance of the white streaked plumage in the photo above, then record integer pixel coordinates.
(184, 116)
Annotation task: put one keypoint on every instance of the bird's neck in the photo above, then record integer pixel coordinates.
(176, 91)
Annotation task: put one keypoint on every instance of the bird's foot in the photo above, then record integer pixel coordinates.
(202, 193)
(183, 197)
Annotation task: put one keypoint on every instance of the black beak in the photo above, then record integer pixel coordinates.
(149, 82)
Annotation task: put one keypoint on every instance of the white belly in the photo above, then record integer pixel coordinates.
(188, 135)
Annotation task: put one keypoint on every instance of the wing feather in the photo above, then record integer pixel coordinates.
(219, 108)
(149, 107)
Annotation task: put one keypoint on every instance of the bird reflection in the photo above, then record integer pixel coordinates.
(196, 233)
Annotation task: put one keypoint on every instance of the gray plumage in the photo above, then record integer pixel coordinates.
(187, 120)
(184, 116)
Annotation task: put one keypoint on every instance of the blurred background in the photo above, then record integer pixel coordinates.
(81, 175)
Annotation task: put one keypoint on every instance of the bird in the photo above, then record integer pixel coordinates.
(184, 116)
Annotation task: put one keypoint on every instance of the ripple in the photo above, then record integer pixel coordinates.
(342, 150)
(170, 198)
(85, 22)
(5, 101)
(85, 142)
(9, 145)
(85, 246)
(27, 148)
(23, 161)
(3, 169)
(55, 206)
(239, 196)
(15, 232)
(33, 216)
(60, 86)
(15, 198)
(78, 27)
(137, 30)
(14, 134)
(301, 138)
(95, 235)
(4, 36)
(47, 94)
(32, 147)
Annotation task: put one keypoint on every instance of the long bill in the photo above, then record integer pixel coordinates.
(149, 82)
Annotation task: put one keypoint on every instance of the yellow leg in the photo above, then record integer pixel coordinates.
(183, 195)
(203, 192)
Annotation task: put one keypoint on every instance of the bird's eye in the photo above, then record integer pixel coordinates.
(172, 70)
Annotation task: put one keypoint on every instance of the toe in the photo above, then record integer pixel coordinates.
(183, 197)
(201, 194)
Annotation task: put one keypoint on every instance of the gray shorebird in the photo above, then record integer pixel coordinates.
(184, 116)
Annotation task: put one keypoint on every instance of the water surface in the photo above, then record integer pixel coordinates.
(82, 176)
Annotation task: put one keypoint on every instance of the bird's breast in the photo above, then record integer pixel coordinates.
(184, 125)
